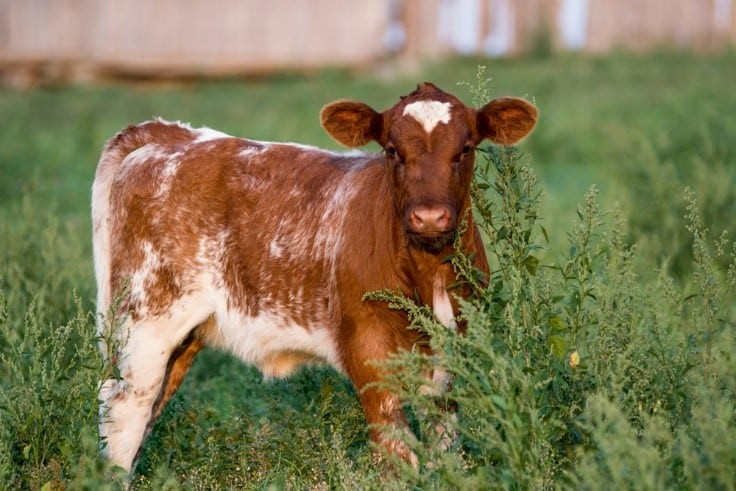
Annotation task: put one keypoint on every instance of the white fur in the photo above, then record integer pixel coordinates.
(275, 248)
(202, 134)
(206, 134)
(138, 288)
(147, 345)
(252, 151)
(442, 307)
(101, 232)
(328, 238)
(441, 304)
(271, 339)
(354, 152)
(145, 156)
(429, 113)
(168, 172)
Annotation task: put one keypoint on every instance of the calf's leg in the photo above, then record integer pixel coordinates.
(382, 409)
(181, 359)
(386, 418)
(152, 364)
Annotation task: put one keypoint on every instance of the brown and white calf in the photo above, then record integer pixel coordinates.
(266, 249)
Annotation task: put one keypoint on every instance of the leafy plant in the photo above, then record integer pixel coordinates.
(573, 371)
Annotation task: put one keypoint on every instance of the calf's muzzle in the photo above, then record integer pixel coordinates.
(430, 219)
(430, 226)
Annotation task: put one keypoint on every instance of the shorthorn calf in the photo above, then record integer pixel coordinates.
(266, 250)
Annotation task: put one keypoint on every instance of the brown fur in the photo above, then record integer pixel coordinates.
(284, 246)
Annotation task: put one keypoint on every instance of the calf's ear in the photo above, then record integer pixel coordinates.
(351, 123)
(506, 120)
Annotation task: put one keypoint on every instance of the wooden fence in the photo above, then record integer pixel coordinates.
(85, 39)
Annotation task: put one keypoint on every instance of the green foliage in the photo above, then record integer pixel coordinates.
(48, 405)
(576, 372)
(41, 261)
(656, 166)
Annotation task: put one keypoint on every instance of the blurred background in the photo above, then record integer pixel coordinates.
(82, 40)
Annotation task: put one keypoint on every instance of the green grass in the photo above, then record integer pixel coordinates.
(641, 128)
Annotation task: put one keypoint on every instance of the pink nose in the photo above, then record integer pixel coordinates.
(430, 219)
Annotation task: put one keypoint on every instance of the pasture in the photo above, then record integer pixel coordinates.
(604, 351)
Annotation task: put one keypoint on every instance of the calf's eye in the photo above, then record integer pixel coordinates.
(395, 155)
(460, 158)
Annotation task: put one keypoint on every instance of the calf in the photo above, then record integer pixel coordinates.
(266, 249)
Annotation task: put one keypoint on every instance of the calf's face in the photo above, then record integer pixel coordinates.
(429, 138)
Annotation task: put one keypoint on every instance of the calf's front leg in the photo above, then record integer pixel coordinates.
(382, 408)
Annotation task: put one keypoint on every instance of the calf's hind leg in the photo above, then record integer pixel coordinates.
(152, 364)
(181, 359)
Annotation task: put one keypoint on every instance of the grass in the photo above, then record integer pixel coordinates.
(641, 128)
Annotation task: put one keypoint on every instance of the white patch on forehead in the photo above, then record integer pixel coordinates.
(429, 113)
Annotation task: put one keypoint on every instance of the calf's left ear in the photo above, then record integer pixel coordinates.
(506, 120)
(351, 123)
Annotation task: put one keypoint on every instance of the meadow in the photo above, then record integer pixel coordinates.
(601, 353)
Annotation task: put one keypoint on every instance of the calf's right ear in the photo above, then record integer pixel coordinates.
(351, 123)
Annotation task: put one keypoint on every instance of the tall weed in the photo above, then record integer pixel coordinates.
(49, 365)
(575, 371)
(657, 167)
(48, 402)
(42, 262)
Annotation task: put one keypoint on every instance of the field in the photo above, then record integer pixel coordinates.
(604, 351)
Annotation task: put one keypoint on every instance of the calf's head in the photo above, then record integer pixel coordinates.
(429, 139)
